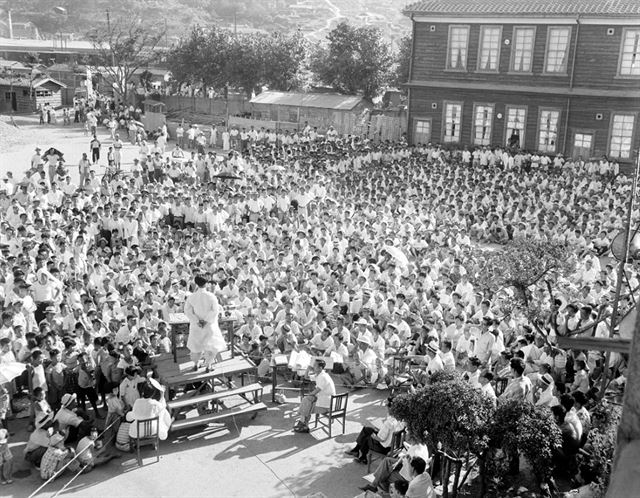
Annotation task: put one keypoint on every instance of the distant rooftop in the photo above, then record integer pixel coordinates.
(20, 45)
(320, 100)
(612, 8)
(26, 82)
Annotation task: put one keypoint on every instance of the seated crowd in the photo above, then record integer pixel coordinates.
(355, 252)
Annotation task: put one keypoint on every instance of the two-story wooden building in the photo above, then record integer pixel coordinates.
(555, 76)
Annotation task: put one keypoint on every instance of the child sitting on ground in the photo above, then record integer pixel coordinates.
(123, 442)
(115, 413)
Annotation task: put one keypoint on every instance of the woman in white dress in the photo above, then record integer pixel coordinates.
(213, 136)
(226, 144)
(205, 337)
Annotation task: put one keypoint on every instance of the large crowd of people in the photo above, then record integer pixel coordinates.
(339, 248)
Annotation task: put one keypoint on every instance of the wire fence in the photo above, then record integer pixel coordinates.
(64, 467)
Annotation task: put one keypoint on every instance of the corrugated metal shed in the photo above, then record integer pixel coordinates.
(318, 100)
(613, 8)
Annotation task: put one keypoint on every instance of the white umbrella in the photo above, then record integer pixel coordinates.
(398, 255)
(276, 167)
(11, 370)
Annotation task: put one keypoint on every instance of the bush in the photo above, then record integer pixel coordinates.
(595, 462)
(520, 427)
(538, 436)
(448, 411)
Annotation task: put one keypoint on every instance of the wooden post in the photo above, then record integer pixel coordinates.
(624, 476)
(621, 274)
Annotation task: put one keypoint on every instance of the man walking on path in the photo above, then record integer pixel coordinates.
(95, 149)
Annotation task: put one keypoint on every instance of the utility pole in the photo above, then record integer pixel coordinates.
(10, 20)
(621, 274)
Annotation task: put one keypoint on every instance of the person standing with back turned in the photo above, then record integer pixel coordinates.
(205, 338)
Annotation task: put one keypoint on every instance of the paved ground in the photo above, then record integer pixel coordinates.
(243, 458)
(17, 145)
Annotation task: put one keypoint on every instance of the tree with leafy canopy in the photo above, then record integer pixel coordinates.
(402, 62)
(282, 58)
(511, 274)
(449, 412)
(214, 57)
(202, 57)
(123, 48)
(518, 427)
(355, 60)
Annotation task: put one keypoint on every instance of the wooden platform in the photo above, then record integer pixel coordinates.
(252, 409)
(180, 373)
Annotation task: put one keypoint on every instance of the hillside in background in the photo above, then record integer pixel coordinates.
(313, 17)
(82, 15)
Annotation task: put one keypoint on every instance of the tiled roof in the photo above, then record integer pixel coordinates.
(321, 100)
(25, 83)
(612, 8)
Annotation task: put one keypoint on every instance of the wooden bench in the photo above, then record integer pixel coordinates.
(216, 417)
(189, 401)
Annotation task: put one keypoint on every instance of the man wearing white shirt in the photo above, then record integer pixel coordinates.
(544, 393)
(318, 400)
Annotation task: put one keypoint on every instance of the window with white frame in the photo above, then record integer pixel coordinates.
(557, 50)
(548, 130)
(452, 120)
(583, 140)
(522, 55)
(458, 46)
(489, 52)
(630, 56)
(516, 123)
(482, 121)
(621, 135)
(44, 93)
(422, 131)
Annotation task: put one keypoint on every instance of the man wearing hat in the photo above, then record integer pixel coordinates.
(365, 368)
(69, 421)
(39, 439)
(205, 338)
(544, 391)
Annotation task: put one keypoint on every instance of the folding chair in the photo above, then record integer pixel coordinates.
(337, 411)
(148, 434)
(397, 444)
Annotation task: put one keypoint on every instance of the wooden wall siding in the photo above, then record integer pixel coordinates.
(582, 115)
(23, 102)
(596, 62)
(598, 59)
(322, 118)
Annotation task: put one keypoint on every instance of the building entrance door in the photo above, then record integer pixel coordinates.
(582, 145)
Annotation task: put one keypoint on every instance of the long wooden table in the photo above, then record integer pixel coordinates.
(180, 373)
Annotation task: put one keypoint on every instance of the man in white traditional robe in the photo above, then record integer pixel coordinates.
(205, 338)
